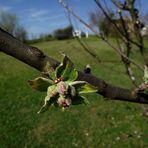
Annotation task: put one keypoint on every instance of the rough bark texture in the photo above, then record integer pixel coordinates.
(28, 54)
(37, 59)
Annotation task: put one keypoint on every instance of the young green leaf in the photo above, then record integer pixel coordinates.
(47, 98)
(40, 83)
(52, 91)
(50, 71)
(60, 69)
(83, 87)
(48, 101)
(72, 76)
(66, 70)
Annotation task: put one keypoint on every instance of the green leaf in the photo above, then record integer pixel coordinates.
(83, 87)
(146, 91)
(47, 98)
(52, 91)
(48, 101)
(50, 71)
(60, 69)
(72, 76)
(85, 100)
(40, 83)
(66, 70)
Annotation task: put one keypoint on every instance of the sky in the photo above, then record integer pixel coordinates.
(44, 16)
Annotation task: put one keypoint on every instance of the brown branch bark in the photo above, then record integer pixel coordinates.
(28, 54)
(37, 59)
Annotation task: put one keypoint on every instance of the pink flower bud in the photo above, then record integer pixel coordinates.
(57, 80)
(62, 88)
(64, 102)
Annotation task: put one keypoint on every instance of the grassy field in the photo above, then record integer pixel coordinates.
(101, 124)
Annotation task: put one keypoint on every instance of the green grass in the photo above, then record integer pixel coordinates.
(102, 123)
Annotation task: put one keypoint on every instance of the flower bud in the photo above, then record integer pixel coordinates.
(64, 102)
(57, 80)
(62, 88)
(119, 10)
(52, 91)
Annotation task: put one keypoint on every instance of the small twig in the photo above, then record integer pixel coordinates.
(90, 52)
(115, 26)
(127, 65)
(121, 6)
(125, 57)
(78, 18)
(128, 51)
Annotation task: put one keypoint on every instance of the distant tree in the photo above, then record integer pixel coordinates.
(64, 33)
(104, 26)
(9, 23)
(20, 33)
(45, 37)
(99, 20)
(96, 17)
(145, 18)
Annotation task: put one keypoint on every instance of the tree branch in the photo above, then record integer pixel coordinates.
(37, 59)
(120, 5)
(28, 54)
(99, 35)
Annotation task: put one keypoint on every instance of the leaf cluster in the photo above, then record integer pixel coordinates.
(61, 85)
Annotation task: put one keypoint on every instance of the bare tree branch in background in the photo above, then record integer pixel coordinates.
(97, 18)
(124, 33)
(99, 35)
(9, 22)
(129, 6)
